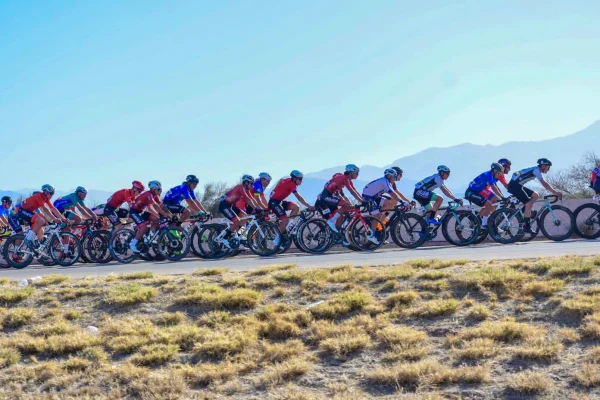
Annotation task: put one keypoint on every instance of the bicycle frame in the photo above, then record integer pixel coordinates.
(42, 250)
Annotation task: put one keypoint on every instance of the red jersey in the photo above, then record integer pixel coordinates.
(34, 202)
(502, 179)
(241, 203)
(120, 197)
(283, 189)
(144, 200)
(338, 182)
(235, 194)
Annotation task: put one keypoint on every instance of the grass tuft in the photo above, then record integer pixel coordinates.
(402, 298)
(52, 279)
(284, 371)
(17, 317)
(342, 346)
(434, 308)
(543, 288)
(530, 382)
(342, 303)
(210, 271)
(155, 354)
(9, 356)
(11, 294)
(130, 294)
(136, 275)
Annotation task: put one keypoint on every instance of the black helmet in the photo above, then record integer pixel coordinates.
(504, 161)
(398, 170)
(191, 179)
(7, 199)
(544, 161)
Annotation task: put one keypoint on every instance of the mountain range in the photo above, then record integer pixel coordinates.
(465, 161)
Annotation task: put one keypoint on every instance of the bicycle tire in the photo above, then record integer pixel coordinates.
(470, 224)
(285, 245)
(358, 233)
(535, 230)
(415, 227)
(217, 249)
(119, 246)
(171, 247)
(505, 225)
(195, 243)
(264, 245)
(315, 236)
(97, 245)
(544, 226)
(84, 250)
(589, 227)
(57, 249)
(10, 242)
(3, 262)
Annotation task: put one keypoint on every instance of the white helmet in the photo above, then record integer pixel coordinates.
(247, 179)
(391, 172)
(154, 185)
(264, 175)
(443, 168)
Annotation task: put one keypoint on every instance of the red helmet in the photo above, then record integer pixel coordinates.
(138, 185)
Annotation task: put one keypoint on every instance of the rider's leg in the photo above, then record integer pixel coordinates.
(38, 223)
(185, 214)
(529, 205)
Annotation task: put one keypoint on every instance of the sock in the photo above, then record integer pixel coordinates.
(484, 221)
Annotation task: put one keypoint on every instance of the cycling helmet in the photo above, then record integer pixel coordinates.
(191, 179)
(7, 199)
(390, 172)
(544, 161)
(443, 168)
(398, 170)
(35, 192)
(352, 168)
(264, 175)
(154, 185)
(296, 174)
(497, 167)
(48, 188)
(504, 161)
(247, 179)
(138, 185)
(81, 189)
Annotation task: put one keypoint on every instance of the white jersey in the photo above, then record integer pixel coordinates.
(378, 187)
(528, 174)
(430, 183)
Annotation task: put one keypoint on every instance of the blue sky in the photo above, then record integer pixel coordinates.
(99, 93)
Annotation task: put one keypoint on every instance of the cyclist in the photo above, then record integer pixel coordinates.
(46, 212)
(258, 188)
(484, 192)
(228, 207)
(424, 193)
(333, 195)
(5, 212)
(506, 164)
(147, 208)
(119, 198)
(595, 182)
(282, 190)
(526, 195)
(69, 204)
(185, 191)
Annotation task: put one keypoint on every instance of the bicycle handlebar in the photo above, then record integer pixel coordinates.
(551, 198)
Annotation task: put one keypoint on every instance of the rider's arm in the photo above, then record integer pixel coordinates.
(200, 206)
(263, 201)
(549, 188)
(47, 213)
(251, 201)
(355, 194)
(447, 192)
(399, 196)
(55, 212)
(497, 191)
(301, 200)
(193, 206)
(85, 211)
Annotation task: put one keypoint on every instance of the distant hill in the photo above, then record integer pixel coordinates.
(468, 160)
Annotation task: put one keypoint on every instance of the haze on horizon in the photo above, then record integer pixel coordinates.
(101, 93)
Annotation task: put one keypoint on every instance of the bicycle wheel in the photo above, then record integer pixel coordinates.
(3, 262)
(217, 248)
(460, 228)
(65, 249)
(483, 234)
(409, 230)
(195, 245)
(173, 243)
(97, 246)
(587, 221)
(315, 236)
(262, 239)
(535, 230)
(17, 255)
(119, 246)
(557, 223)
(505, 225)
(286, 243)
(85, 255)
(359, 233)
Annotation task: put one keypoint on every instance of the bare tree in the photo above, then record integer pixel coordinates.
(211, 195)
(574, 182)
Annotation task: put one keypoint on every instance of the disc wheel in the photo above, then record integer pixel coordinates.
(264, 240)
(97, 247)
(315, 236)
(505, 225)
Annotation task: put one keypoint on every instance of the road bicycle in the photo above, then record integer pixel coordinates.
(587, 220)
(84, 231)
(291, 230)
(556, 222)
(63, 248)
(172, 242)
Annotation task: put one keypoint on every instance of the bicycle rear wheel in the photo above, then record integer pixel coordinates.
(119, 246)
(262, 242)
(557, 223)
(505, 225)
(409, 230)
(97, 246)
(360, 232)
(587, 221)
(17, 255)
(173, 243)
(65, 249)
(460, 228)
(315, 236)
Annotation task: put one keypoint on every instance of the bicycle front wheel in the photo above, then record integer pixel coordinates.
(16, 252)
(587, 221)
(460, 228)
(97, 247)
(174, 243)
(361, 232)
(265, 239)
(505, 225)
(119, 246)
(65, 249)
(315, 236)
(557, 223)
(409, 230)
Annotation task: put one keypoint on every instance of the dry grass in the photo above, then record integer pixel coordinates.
(422, 330)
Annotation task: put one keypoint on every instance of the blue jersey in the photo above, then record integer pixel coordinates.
(481, 183)
(4, 211)
(179, 193)
(258, 187)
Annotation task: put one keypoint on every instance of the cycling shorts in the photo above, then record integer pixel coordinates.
(113, 214)
(69, 214)
(479, 198)
(16, 220)
(522, 193)
(423, 196)
(329, 200)
(174, 207)
(139, 217)
(230, 211)
(377, 200)
(279, 207)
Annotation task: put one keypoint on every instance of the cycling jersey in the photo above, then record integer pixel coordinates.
(5, 211)
(283, 189)
(144, 200)
(483, 182)
(528, 174)
(378, 187)
(34, 202)
(120, 197)
(338, 182)
(595, 177)
(430, 183)
(179, 193)
(67, 202)
(233, 195)
(243, 201)
(257, 188)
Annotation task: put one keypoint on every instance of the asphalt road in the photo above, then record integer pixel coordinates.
(387, 255)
